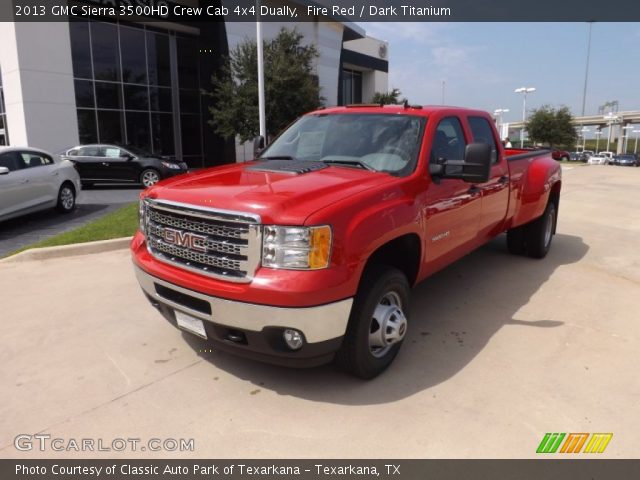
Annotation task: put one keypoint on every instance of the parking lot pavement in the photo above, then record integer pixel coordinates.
(93, 203)
(501, 350)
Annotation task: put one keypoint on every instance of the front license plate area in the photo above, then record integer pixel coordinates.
(190, 324)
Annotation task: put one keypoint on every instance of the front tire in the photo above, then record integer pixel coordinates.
(378, 322)
(149, 177)
(66, 198)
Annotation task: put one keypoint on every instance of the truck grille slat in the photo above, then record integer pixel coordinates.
(211, 242)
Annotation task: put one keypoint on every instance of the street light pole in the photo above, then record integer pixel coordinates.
(586, 72)
(524, 91)
(598, 134)
(261, 107)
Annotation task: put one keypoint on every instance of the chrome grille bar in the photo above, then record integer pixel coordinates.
(217, 243)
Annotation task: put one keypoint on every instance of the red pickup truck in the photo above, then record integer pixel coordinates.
(309, 253)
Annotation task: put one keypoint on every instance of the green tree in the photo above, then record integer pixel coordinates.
(388, 98)
(291, 88)
(553, 127)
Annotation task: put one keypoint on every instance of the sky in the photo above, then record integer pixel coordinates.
(483, 63)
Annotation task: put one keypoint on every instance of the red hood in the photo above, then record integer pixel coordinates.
(277, 197)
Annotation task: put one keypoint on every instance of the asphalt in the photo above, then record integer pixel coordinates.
(501, 349)
(92, 203)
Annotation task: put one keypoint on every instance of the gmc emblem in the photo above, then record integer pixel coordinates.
(185, 239)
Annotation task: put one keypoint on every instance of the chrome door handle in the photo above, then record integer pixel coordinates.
(26, 180)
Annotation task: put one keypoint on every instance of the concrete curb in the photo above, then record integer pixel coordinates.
(69, 250)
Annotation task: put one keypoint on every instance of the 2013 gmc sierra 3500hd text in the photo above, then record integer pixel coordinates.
(309, 253)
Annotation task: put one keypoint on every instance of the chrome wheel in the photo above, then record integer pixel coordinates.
(149, 178)
(67, 198)
(388, 325)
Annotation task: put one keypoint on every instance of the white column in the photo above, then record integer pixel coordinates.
(37, 76)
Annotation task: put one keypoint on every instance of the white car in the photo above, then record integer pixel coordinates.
(608, 155)
(597, 160)
(32, 180)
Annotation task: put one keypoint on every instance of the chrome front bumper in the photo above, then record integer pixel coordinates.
(318, 324)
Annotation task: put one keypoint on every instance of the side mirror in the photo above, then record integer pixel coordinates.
(129, 156)
(258, 145)
(475, 168)
(4, 171)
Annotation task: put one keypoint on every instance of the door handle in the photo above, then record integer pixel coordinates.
(503, 179)
(474, 189)
(26, 180)
(55, 174)
(105, 164)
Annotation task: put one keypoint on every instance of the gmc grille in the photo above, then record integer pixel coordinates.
(217, 243)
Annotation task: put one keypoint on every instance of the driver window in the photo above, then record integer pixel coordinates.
(448, 142)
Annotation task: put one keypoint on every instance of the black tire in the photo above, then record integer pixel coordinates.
(66, 198)
(149, 177)
(381, 286)
(515, 240)
(539, 233)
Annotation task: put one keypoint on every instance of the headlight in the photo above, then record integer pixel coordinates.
(142, 211)
(296, 248)
(171, 166)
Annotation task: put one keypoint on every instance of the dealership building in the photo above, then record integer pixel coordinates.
(139, 83)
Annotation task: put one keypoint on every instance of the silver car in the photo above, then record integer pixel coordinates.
(32, 180)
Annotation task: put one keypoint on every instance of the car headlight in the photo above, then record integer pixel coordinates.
(142, 212)
(296, 248)
(171, 166)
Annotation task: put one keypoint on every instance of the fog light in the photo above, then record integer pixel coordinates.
(293, 339)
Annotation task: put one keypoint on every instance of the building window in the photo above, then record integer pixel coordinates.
(125, 92)
(4, 132)
(351, 87)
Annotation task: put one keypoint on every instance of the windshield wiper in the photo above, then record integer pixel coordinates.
(357, 163)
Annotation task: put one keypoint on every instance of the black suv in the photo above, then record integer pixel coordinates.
(116, 164)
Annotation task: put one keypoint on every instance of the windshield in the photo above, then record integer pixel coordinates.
(382, 142)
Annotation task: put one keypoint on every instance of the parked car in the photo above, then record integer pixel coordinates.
(33, 180)
(310, 253)
(598, 160)
(117, 164)
(627, 160)
(609, 156)
(560, 155)
(585, 154)
(575, 156)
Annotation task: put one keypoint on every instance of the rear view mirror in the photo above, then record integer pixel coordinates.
(475, 168)
(4, 171)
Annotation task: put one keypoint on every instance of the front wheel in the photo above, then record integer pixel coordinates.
(149, 177)
(66, 198)
(378, 322)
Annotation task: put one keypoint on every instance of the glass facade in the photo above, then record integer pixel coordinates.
(4, 131)
(138, 86)
(351, 87)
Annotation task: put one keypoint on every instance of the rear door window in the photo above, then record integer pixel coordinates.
(34, 159)
(483, 133)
